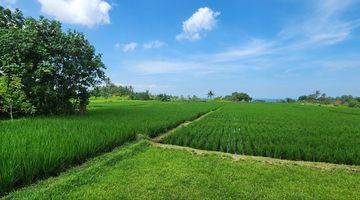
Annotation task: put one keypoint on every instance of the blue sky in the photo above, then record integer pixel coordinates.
(269, 49)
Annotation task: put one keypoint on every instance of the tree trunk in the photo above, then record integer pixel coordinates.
(82, 107)
(11, 112)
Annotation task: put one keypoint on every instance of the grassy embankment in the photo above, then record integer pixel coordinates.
(148, 171)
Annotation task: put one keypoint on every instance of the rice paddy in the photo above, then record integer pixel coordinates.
(286, 131)
(35, 148)
(32, 149)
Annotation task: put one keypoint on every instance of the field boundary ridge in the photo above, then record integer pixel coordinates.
(161, 137)
(265, 160)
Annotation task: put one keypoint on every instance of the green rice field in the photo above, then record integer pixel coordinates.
(286, 131)
(222, 137)
(35, 148)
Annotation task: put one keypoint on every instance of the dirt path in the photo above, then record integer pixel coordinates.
(161, 137)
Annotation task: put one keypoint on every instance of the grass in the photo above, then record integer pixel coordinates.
(286, 131)
(144, 171)
(35, 148)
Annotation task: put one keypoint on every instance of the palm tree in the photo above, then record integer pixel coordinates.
(210, 94)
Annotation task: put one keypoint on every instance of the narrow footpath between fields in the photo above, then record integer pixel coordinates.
(157, 142)
(267, 160)
(161, 137)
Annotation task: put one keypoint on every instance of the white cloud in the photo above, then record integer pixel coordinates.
(323, 26)
(289, 52)
(202, 21)
(251, 49)
(154, 44)
(127, 47)
(83, 12)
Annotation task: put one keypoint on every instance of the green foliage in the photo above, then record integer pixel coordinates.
(290, 100)
(238, 96)
(353, 103)
(11, 19)
(210, 94)
(141, 171)
(319, 98)
(110, 89)
(40, 147)
(12, 99)
(56, 68)
(163, 97)
(141, 95)
(286, 131)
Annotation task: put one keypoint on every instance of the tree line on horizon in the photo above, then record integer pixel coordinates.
(321, 98)
(110, 89)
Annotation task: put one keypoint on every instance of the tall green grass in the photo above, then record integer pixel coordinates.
(34, 148)
(286, 131)
(142, 171)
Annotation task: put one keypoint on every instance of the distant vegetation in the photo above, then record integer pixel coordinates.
(286, 131)
(110, 89)
(43, 69)
(238, 96)
(322, 98)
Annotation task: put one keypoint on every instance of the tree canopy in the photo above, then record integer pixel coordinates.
(322, 98)
(238, 96)
(210, 94)
(56, 68)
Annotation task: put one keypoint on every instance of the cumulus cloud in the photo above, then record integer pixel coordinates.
(127, 47)
(154, 44)
(202, 21)
(83, 12)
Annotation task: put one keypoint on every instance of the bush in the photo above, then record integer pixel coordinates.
(163, 97)
(238, 96)
(354, 103)
(140, 95)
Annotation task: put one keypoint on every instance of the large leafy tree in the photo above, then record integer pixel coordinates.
(56, 68)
